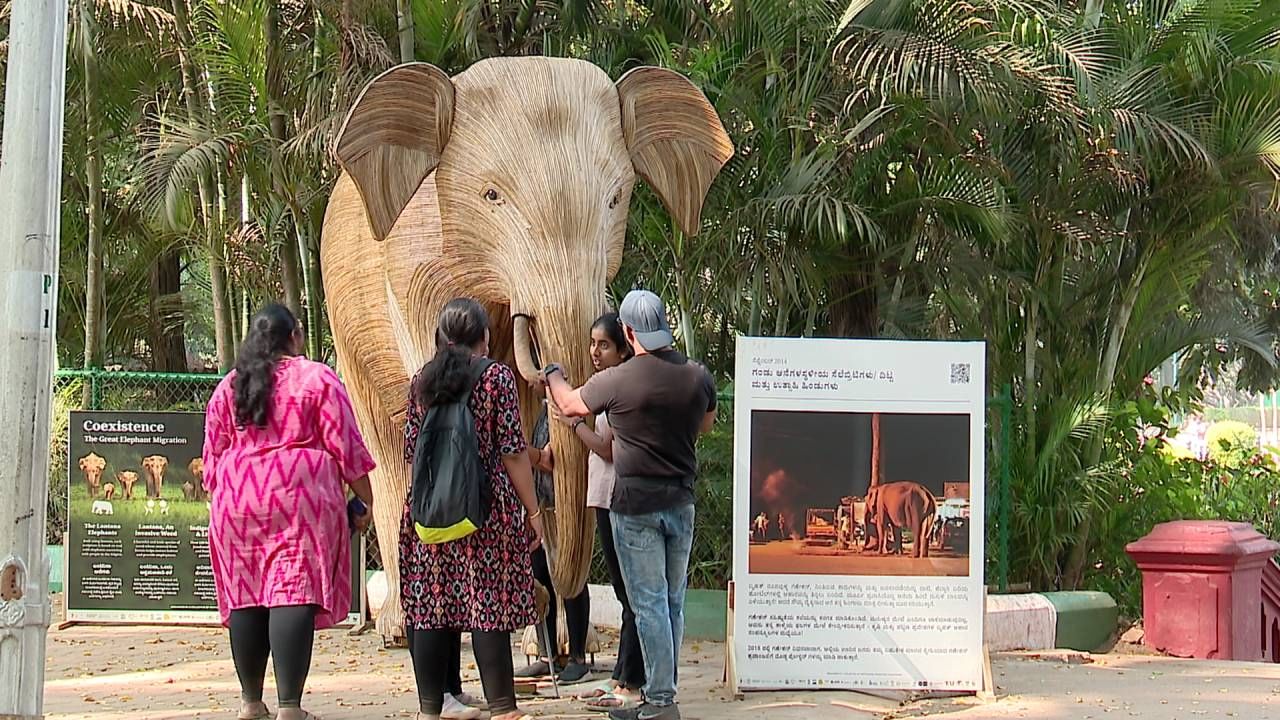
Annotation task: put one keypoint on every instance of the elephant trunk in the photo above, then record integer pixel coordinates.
(523, 341)
(560, 332)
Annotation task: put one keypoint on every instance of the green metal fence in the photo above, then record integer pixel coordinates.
(711, 563)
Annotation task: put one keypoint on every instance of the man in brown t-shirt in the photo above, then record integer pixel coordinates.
(658, 403)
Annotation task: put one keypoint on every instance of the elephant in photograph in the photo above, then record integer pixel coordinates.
(127, 479)
(197, 491)
(154, 467)
(509, 183)
(898, 506)
(92, 466)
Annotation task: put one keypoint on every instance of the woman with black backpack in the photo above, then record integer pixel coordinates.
(481, 582)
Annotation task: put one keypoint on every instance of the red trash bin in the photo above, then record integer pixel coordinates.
(1202, 588)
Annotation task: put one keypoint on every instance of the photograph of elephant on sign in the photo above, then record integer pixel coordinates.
(860, 494)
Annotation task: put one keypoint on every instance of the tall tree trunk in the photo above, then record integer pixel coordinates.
(684, 298)
(168, 337)
(289, 269)
(346, 56)
(855, 309)
(213, 241)
(318, 328)
(95, 318)
(404, 15)
(811, 317)
(757, 300)
(1079, 558)
(722, 342)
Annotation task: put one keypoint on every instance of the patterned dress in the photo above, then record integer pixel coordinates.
(278, 532)
(483, 582)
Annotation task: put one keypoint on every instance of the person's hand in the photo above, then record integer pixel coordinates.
(363, 521)
(547, 461)
(553, 410)
(535, 529)
(538, 384)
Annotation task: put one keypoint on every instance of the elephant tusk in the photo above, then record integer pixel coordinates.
(524, 349)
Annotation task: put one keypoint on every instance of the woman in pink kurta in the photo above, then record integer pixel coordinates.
(281, 450)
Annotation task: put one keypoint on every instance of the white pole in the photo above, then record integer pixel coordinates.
(30, 194)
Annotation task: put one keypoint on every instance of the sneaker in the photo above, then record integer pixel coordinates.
(453, 709)
(574, 672)
(535, 670)
(645, 711)
(470, 700)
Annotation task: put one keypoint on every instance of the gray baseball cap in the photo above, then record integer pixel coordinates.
(644, 313)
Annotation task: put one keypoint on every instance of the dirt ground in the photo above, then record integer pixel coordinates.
(794, 557)
(143, 673)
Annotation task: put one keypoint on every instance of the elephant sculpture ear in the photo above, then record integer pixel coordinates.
(676, 140)
(393, 137)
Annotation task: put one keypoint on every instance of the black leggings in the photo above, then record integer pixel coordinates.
(453, 668)
(286, 634)
(577, 612)
(434, 650)
(629, 671)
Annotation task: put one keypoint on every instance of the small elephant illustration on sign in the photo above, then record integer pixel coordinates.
(102, 507)
(92, 466)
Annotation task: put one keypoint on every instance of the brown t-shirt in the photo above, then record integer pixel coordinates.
(656, 404)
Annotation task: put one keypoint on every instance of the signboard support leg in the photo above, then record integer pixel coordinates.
(730, 671)
(66, 565)
(988, 691)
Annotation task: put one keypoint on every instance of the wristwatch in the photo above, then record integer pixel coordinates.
(546, 371)
(577, 424)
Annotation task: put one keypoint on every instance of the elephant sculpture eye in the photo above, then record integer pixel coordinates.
(492, 195)
(617, 198)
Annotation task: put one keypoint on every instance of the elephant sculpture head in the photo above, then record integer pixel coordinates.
(509, 183)
(533, 163)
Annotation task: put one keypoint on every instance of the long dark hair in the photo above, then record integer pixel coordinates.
(612, 326)
(462, 326)
(270, 337)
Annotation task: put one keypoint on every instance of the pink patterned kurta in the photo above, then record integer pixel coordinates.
(278, 530)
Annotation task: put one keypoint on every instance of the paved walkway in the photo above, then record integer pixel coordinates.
(97, 673)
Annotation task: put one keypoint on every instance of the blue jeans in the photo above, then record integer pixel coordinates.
(653, 550)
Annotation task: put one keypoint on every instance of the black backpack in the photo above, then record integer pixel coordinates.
(450, 492)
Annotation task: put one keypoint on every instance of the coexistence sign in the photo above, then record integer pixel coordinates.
(858, 506)
(138, 522)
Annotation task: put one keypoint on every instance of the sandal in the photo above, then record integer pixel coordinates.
(600, 689)
(613, 701)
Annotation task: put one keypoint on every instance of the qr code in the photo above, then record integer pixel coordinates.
(959, 373)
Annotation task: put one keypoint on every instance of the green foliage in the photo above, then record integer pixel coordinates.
(1231, 443)
(711, 562)
(1162, 488)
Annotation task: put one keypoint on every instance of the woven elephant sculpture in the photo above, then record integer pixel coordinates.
(509, 183)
